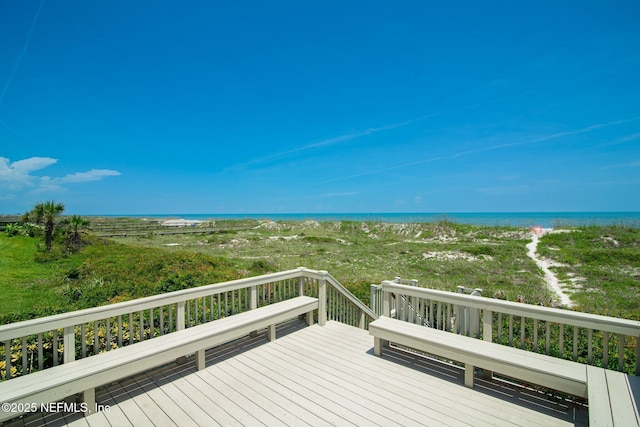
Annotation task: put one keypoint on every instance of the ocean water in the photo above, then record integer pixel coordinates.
(510, 219)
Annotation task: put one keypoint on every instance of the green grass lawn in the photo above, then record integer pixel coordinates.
(27, 286)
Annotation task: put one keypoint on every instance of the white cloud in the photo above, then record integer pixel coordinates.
(19, 176)
(92, 175)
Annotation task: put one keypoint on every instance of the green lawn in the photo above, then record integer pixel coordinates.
(28, 287)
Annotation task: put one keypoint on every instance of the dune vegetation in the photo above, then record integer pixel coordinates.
(598, 265)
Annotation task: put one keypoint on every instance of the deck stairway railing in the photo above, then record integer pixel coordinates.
(41, 343)
(587, 338)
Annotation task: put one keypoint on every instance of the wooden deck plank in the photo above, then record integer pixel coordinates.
(314, 376)
(480, 406)
(201, 409)
(350, 395)
(298, 402)
(333, 407)
(226, 404)
(169, 408)
(622, 405)
(246, 392)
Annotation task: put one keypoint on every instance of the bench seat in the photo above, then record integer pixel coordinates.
(611, 398)
(84, 375)
(558, 374)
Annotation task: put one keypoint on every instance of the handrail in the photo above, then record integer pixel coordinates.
(341, 289)
(590, 329)
(93, 330)
(576, 318)
(72, 318)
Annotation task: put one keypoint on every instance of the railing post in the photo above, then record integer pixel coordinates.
(301, 282)
(254, 298)
(69, 343)
(373, 300)
(180, 321)
(386, 302)
(322, 299)
(487, 325)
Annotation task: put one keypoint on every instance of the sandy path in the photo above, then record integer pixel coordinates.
(549, 277)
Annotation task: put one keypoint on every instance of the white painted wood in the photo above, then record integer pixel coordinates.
(322, 298)
(271, 332)
(200, 362)
(535, 368)
(45, 324)
(343, 353)
(598, 395)
(67, 379)
(574, 318)
(275, 378)
(89, 397)
(621, 397)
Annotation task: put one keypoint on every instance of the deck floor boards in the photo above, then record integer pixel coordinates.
(316, 376)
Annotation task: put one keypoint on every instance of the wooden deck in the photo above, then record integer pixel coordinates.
(316, 376)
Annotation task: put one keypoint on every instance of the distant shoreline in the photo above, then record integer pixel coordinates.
(507, 219)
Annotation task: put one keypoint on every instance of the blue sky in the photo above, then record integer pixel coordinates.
(136, 107)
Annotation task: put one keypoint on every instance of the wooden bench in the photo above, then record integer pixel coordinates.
(610, 395)
(558, 374)
(611, 398)
(84, 375)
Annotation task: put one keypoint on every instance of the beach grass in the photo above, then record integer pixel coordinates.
(441, 255)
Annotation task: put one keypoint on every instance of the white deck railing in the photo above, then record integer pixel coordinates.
(41, 343)
(588, 338)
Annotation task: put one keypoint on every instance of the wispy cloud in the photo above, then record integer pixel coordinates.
(343, 194)
(19, 176)
(635, 164)
(22, 52)
(336, 140)
(489, 148)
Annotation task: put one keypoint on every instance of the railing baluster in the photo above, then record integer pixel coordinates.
(188, 318)
(108, 334)
(219, 306)
(7, 359)
(120, 330)
(54, 347)
(500, 328)
(590, 347)
(575, 343)
(511, 330)
(130, 328)
(547, 337)
(523, 320)
(605, 349)
(535, 335)
(142, 333)
(161, 321)
(561, 341)
(41, 352)
(621, 345)
(25, 362)
(211, 311)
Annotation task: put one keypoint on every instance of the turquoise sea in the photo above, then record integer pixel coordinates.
(512, 219)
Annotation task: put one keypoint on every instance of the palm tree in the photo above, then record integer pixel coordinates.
(46, 213)
(75, 223)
